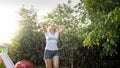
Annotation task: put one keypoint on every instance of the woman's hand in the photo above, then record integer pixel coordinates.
(61, 28)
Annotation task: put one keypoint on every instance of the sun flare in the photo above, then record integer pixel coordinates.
(8, 24)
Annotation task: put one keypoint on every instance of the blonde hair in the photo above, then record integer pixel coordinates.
(49, 24)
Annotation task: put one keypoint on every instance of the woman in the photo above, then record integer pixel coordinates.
(51, 54)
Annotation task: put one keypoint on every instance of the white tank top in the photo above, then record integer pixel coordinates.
(51, 41)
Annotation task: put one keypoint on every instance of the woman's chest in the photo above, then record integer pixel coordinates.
(51, 36)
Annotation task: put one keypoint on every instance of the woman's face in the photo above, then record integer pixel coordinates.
(51, 27)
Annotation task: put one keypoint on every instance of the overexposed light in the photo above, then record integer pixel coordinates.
(8, 24)
(8, 13)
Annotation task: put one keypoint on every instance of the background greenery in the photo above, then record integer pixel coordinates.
(91, 37)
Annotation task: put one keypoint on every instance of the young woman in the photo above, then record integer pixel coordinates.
(51, 54)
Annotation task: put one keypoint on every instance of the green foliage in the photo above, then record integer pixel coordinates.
(92, 28)
(104, 16)
(28, 41)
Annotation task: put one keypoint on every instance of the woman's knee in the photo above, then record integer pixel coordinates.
(56, 66)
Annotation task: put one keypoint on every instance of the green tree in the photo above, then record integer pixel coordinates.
(92, 28)
(105, 17)
(28, 42)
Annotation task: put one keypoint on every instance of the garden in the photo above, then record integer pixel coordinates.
(91, 38)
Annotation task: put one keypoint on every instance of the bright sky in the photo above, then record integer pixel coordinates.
(8, 13)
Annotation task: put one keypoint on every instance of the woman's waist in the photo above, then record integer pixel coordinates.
(51, 47)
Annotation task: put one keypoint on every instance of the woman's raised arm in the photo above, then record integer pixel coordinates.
(44, 26)
(61, 28)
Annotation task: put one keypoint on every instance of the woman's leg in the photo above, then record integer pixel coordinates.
(48, 63)
(56, 61)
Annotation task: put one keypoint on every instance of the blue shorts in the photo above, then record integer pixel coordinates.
(49, 54)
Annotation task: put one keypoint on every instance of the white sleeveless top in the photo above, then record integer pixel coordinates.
(51, 41)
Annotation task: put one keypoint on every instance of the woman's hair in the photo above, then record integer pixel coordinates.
(52, 24)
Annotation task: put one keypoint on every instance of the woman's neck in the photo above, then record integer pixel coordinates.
(52, 31)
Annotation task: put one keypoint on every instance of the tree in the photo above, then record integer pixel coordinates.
(92, 28)
(29, 40)
(104, 27)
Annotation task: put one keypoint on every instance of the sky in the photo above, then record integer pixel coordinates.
(9, 9)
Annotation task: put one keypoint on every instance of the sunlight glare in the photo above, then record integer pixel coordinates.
(8, 24)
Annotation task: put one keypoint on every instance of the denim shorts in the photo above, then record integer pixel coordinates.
(48, 54)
